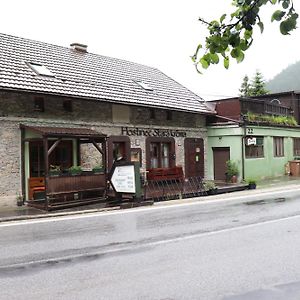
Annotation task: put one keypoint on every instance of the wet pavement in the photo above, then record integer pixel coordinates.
(27, 212)
(216, 249)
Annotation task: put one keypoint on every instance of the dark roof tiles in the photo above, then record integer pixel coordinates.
(87, 75)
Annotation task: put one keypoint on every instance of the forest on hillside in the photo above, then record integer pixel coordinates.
(287, 80)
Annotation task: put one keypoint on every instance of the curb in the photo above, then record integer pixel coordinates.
(58, 214)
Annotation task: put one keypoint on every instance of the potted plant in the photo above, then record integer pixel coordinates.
(232, 171)
(19, 199)
(97, 169)
(54, 170)
(251, 184)
(210, 187)
(75, 170)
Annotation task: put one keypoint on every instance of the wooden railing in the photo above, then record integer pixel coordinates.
(76, 183)
(262, 107)
(66, 190)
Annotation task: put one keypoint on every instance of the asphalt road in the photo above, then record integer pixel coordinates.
(247, 248)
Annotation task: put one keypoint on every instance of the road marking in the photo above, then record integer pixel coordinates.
(135, 246)
(188, 202)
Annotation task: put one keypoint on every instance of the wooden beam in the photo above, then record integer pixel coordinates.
(46, 161)
(97, 147)
(53, 146)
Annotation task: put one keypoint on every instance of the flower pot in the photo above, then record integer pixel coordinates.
(212, 192)
(252, 186)
(234, 179)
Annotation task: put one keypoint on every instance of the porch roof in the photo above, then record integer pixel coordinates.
(65, 131)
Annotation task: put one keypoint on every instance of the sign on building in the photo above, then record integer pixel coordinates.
(251, 141)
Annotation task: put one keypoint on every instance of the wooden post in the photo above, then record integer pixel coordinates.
(46, 161)
(23, 163)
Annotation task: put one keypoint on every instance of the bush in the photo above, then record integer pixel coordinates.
(232, 168)
(97, 169)
(209, 185)
(75, 170)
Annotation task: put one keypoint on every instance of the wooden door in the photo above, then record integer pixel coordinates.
(194, 157)
(221, 155)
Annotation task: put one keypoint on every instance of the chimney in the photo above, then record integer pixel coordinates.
(79, 47)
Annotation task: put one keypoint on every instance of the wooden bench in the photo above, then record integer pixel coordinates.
(35, 184)
(160, 174)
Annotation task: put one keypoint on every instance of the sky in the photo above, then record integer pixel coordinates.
(159, 33)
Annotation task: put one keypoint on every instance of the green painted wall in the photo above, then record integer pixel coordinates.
(256, 168)
(224, 137)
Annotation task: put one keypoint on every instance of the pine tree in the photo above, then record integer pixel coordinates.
(258, 85)
(245, 87)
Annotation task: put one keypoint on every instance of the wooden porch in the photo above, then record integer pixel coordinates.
(64, 189)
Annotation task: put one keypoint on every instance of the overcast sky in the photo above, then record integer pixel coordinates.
(158, 33)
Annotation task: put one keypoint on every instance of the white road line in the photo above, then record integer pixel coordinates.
(147, 244)
(190, 202)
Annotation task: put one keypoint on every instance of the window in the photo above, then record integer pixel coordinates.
(144, 85)
(39, 104)
(255, 148)
(136, 155)
(67, 105)
(152, 113)
(40, 69)
(118, 147)
(159, 155)
(36, 159)
(61, 156)
(169, 115)
(278, 143)
(118, 150)
(296, 146)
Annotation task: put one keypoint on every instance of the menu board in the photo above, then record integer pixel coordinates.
(123, 179)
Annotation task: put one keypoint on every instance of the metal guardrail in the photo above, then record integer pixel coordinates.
(163, 190)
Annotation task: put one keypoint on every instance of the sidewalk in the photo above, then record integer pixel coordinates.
(26, 212)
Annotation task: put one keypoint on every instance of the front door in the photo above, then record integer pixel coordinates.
(221, 155)
(194, 157)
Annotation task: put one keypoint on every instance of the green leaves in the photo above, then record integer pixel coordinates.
(204, 63)
(277, 15)
(289, 24)
(234, 38)
(226, 62)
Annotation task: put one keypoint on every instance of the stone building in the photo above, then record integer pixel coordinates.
(141, 113)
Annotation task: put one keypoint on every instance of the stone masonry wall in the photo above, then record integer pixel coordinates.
(18, 108)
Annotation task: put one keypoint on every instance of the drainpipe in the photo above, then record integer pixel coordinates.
(243, 151)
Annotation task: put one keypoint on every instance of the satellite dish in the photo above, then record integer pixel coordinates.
(275, 100)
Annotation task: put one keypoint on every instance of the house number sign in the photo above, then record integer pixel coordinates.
(249, 130)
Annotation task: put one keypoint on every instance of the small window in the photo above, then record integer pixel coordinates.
(296, 147)
(152, 113)
(254, 147)
(136, 155)
(278, 143)
(39, 104)
(169, 115)
(144, 85)
(40, 69)
(67, 105)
